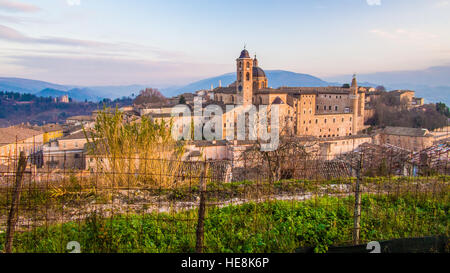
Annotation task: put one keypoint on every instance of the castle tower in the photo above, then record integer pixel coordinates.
(244, 83)
(354, 98)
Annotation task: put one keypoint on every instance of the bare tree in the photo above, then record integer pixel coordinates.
(150, 96)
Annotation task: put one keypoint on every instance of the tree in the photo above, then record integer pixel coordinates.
(150, 95)
(346, 85)
(443, 109)
(145, 149)
(285, 162)
(182, 100)
(380, 88)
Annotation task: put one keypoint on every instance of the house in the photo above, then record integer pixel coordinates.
(412, 139)
(16, 139)
(67, 152)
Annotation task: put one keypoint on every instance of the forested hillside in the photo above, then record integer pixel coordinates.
(16, 108)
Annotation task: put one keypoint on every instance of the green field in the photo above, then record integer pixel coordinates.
(274, 226)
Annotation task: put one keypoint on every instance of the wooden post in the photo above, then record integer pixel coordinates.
(201, 210)
(357, 210)
(13, 213)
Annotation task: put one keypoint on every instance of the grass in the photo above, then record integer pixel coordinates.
(274, 226)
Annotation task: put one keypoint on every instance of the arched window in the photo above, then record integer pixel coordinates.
(248, 65)
(248, 76)
(240, 76)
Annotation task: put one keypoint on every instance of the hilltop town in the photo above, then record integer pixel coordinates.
(335, 120)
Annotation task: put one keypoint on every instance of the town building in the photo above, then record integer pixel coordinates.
(412, 139)
(16, 139)
(67, 152)
(323, 112)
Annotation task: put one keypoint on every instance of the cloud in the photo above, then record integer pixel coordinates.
(73, 2)
(110, 71)
(374, 2)
(15, 6)
(404, 34)
(94, 47)
(442, 4)
(10, 34)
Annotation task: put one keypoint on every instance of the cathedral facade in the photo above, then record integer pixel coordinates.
(323, 112)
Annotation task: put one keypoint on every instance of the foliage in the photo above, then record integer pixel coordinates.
(443, 109)
(137, 153)
(389, 111)
(150, 95)
(273, 226)
(17, 108)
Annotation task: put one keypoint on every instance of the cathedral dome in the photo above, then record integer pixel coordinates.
(258, 72)
(244, 54)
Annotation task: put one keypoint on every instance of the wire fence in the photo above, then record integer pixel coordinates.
(244, 205)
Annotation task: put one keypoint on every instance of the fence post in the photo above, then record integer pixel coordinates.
(357, 210)
(13, 213)
(202, 210)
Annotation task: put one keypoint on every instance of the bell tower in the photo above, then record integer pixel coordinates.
(244, 82)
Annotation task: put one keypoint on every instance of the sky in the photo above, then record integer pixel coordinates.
(173, 42)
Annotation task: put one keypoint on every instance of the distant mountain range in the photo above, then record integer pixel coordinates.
(277, 78)
(433, 84)
(80, 93)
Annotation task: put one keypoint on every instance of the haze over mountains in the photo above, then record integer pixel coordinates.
(433, 84)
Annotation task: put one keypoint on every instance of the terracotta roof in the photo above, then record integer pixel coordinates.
(79, 135)
(405, 131)
(81, 118)
(19, 133)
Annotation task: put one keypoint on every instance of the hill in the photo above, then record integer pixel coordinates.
(432, 84)
(28, 86)
(80, 93)
(277, 78)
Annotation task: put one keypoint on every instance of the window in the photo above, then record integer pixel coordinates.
(247, 76)
(317, 107)
(325, 120)
(317, 121)
(336, 108)
(325, 107)
(248, 65)
(329, 107)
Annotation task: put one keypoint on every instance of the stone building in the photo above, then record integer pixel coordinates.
(67, 152)
(16, 139)
(324, 112)
(412, 139)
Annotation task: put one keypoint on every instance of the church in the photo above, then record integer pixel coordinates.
(323, 112)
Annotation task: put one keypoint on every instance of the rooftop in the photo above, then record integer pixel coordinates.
(405, 131)
(11, 134)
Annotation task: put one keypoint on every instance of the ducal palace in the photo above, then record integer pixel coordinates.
(323, 112)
